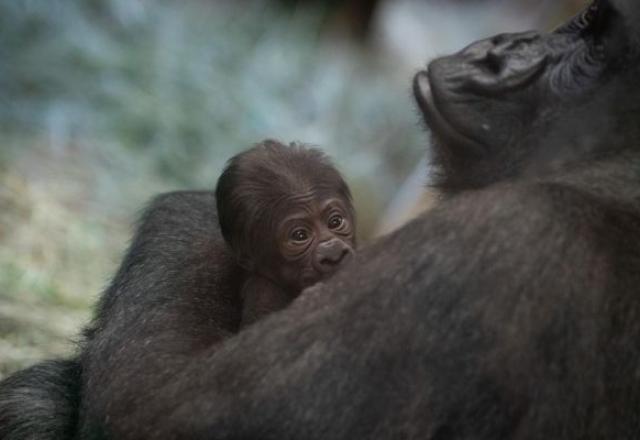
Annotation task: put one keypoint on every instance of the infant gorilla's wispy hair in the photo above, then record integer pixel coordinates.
(255, 183)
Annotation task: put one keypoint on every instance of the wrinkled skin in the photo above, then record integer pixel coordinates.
(510, 311)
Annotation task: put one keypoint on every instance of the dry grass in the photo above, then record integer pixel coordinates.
(54, 259)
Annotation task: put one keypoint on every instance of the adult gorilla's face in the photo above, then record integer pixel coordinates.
(520, 98)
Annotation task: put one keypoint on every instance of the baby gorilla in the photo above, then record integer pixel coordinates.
(287, 215)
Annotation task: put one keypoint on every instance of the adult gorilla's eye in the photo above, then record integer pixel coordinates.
(336, 221)
(299, 235)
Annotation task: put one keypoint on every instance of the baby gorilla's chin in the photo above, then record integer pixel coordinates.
(310, 277)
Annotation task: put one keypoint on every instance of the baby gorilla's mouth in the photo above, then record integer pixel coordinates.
(322, 271)
(441, 127)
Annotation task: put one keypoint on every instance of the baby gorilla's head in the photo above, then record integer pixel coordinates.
(287, 213)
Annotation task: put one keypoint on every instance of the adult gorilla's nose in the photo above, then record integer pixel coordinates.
(331, 253)
(500, 46)
(503, 62)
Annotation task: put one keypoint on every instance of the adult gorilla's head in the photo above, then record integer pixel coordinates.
(530, 103)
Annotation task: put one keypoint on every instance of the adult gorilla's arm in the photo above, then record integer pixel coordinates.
(449, 326)
(41, 402)
(175, 295)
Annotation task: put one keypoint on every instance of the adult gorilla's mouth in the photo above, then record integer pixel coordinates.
(443, 129)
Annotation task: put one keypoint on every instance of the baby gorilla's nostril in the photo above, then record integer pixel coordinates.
(335, 258)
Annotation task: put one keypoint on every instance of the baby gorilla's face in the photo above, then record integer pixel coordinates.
(314, 237)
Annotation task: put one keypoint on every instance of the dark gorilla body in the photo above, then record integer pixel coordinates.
(508, 311)
(41, 402)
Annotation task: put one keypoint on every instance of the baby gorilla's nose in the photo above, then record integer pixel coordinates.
(331, 253)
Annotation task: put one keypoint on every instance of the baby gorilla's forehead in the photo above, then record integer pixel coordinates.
(311, 204)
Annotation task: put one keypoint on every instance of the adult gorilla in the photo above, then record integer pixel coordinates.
(509, 311)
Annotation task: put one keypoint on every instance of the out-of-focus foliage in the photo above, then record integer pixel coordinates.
(192, 82)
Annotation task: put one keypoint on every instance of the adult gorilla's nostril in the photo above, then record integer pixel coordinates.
(499, 39)
(494, 62)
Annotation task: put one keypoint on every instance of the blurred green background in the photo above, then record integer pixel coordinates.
(105, 103)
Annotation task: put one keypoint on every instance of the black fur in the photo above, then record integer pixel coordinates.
(174, 296)
(419, 339)
(40, 402)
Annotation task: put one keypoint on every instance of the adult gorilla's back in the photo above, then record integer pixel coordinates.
(508, 311)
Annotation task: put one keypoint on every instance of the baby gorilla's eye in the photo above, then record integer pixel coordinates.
(299, 235)
(336, 221)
